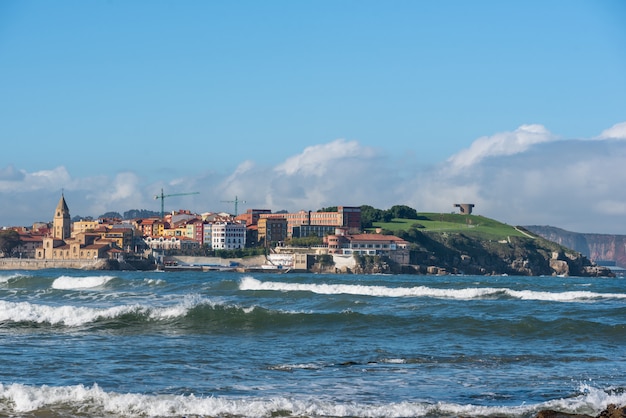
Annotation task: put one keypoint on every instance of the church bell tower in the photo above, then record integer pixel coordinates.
(61, 226)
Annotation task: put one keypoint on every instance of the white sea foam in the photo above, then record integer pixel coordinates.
(156, 282)
(88, 282)
(394, 361)
(57, 315)
(73, 316)
(290, 367)
(250, 283)
(570, 296)
(20, 399)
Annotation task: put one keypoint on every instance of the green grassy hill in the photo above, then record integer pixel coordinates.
(477, 245)
(470, 225)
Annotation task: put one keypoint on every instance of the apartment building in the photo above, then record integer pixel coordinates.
(227, 235)
(84, 226)
(271, 230)
(252, 216)
(346, 216)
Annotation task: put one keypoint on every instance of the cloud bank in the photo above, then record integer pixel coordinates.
(617, 131)
(501, 144)
(526, 176)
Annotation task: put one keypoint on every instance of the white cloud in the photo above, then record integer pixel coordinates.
(617, 131)
(20, 181)
(317, 159)
(611, 207)
(504, 143)
(573, 184)
(119, 194)
(9, 174)
(520, 177)
(337, 173)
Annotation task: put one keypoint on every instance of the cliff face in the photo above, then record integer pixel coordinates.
(458, 253)
(598, 247)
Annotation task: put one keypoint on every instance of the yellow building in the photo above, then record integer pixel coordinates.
(62, 223)
(123, 237)
(60, 246)
(84, 226)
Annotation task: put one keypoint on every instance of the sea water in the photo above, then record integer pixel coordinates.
(209, 344)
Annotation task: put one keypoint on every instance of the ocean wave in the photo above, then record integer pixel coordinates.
(88, 282)
(194, 314)
(154, 282)
(74, 316)
(79, 400)
(250, 283)
(6, 278)
(197, 314)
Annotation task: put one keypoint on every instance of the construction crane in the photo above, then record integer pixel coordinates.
(163, 196)
(236, 202)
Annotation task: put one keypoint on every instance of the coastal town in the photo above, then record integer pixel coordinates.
(337, 239)
(150, 241)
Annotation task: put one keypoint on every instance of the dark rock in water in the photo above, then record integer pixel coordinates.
(611, 411)
(121, 265)
(548, 413)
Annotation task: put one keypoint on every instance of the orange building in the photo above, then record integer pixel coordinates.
(346, 216)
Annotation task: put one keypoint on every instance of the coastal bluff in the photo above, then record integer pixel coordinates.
(605, 247)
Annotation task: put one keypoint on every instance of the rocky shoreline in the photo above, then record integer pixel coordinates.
(611, 411)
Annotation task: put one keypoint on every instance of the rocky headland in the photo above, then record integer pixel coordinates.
(458, 253)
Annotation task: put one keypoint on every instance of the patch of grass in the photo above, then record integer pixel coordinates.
(470, 225)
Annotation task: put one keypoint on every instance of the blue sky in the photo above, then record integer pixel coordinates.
(516, 106)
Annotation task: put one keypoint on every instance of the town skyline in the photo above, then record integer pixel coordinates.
(293, 106)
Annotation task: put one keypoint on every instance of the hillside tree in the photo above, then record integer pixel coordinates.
(9, 240)
(403, 212)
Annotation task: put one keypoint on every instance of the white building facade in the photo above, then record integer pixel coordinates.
(171, 243)
(228, 235)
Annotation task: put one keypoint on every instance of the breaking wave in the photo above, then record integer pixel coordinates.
(250, 283)
(70, 283)
(7, 278)
(73, 316)
(79, 400)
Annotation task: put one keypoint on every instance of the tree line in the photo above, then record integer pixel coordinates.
(369, 214)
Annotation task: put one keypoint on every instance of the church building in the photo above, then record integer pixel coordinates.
(61, 245)
(62, 223)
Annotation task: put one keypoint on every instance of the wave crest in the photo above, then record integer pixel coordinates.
(250, 283)
(74, 316)
(76, 400)
(6, 278)
(88, 282)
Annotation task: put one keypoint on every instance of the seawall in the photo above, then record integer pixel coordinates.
(33, 264)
